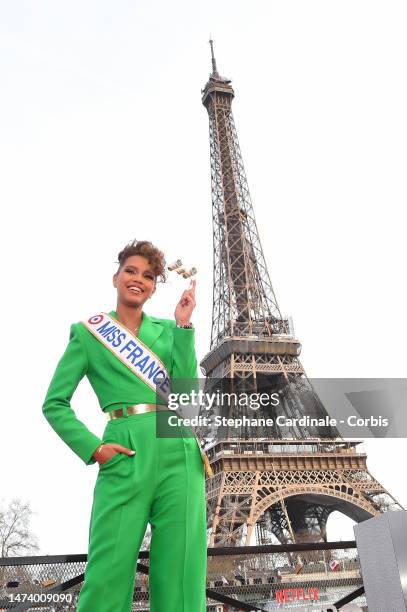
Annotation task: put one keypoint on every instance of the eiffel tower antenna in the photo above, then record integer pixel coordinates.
(285, 480)
(214, 69)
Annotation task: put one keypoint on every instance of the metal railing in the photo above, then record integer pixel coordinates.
(250, 578)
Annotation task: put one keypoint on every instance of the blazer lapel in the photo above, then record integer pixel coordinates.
(150, 330)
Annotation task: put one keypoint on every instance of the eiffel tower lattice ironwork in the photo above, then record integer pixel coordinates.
(281, 482)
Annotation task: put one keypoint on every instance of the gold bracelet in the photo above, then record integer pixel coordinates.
(98, 448)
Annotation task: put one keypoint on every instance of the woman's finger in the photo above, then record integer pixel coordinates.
(193, 285)
(123, 449)
(190, 291)
(188, 299)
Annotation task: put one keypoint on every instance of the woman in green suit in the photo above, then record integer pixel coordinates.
(142, 478)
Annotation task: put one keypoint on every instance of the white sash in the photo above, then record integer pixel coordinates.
(138, 357)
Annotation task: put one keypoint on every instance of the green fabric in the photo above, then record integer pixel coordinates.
(162, 484)
(112, 381)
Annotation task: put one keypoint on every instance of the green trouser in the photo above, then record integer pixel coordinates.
(162, 484)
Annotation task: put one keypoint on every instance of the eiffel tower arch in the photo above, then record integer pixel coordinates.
(278, 482)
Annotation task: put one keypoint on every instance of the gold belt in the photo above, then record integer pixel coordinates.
(136, 409)
(140, 409)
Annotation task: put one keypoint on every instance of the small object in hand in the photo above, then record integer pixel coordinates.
(190, 272)
(174, 265)
(180, 269)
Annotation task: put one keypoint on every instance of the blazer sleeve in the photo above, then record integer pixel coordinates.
(184, 375)
(184, 363)
(71, 368)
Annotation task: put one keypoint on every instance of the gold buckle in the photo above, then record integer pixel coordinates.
(136, 409)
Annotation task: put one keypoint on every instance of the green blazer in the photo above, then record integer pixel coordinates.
(114, 384)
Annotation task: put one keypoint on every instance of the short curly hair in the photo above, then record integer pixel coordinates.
(146, 249)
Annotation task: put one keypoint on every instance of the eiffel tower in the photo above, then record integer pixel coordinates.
(280, 482)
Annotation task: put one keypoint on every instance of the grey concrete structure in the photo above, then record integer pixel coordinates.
(382, 547)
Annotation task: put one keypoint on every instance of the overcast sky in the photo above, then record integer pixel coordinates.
(104, 138)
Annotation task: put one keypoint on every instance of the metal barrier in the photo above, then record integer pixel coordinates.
(251, 578)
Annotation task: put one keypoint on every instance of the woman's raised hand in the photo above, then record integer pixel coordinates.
(106, 451)
(185, 306)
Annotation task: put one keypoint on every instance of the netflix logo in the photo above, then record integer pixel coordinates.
(287, 595)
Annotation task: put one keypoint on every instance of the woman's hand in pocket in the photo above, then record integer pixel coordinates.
(106, 451)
